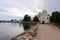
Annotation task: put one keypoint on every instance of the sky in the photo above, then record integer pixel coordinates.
(16, 9)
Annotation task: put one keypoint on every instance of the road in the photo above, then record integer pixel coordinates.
(47, 32)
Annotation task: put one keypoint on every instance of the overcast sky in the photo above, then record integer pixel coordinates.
(16, 9)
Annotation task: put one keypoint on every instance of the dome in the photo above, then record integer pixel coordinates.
(44, 11)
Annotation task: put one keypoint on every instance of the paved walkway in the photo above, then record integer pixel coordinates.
(47, 32)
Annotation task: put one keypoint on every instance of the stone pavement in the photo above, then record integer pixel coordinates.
(47, 32)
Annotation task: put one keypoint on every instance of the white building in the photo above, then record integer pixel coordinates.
(44, 17)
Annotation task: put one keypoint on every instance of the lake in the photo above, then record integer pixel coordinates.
(9, 30)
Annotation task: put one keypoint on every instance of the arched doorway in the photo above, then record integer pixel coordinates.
(43, 22)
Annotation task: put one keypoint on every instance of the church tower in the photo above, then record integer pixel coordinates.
(43, 16)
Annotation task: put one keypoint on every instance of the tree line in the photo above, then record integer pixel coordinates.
(28, 18)
(55, 17)
(27, 21)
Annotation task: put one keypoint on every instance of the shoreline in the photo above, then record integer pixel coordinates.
(28, 34)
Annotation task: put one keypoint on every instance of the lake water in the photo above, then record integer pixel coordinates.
(9, 30)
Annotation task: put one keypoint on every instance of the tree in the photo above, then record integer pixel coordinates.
(35, 19)
(27, 18)
(26, 23)
(12, 20)
(55, 17)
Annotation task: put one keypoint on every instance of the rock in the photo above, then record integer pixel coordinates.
(13, 39)
(28, 35)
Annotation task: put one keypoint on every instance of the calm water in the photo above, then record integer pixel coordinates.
(9, 30)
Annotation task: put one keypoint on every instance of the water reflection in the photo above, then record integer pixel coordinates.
(26, 25)
(9, 30)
